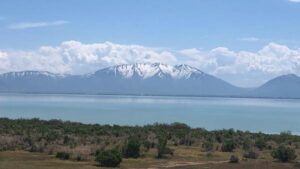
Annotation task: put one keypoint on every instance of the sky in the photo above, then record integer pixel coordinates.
(243, 42)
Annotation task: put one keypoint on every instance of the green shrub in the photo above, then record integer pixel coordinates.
(132, 148)
(260, 143)
(63, 155)
(284, 154)
(233, 159)
(98, 151)
(228, 146)
(109, 158)
(161, 147)
(147, 144)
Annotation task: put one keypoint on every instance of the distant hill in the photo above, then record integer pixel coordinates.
(144, 79)
(285, 86)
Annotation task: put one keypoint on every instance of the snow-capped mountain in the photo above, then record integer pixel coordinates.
(139, 79)
(146, 71)
(144, 79)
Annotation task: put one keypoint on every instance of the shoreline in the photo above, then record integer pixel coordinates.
(148, 95)
(149, 124)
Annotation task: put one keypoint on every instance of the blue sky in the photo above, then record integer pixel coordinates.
(158, 23)
(172, 26)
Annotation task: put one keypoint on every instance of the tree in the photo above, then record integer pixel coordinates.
(109, 158)
(284, 154)
(132, 148)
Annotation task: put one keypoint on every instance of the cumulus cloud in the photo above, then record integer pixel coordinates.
(74, 57)
(4, 61)
(242, 68)
(27, 25)
(246, 68)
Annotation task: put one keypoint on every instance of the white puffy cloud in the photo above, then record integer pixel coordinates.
(242, 68)
(246, 68)
(4, 61)
(77, 58)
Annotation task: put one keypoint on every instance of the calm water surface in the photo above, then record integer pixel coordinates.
(266, 115)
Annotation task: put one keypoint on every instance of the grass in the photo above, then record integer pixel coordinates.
(27, 160)
(184, 158)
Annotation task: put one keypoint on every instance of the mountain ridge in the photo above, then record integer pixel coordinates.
(145, 79)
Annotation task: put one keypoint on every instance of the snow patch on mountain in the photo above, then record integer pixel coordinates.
(30, 74)
(147, 70)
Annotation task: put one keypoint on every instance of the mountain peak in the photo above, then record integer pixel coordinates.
(147, 70)
(286, 77)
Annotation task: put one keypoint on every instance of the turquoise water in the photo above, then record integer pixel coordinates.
(266, 115)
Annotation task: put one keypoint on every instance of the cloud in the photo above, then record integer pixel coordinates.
(295, 1)
(246, 68)
(242, 68)
(249, 39)
(4, 60)
(74, 57)
(27, 25)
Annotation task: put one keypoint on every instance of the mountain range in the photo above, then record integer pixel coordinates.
(144, 79)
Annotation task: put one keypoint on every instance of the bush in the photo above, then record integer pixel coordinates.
(63, 155)
(284, 154)
(98, 151)
(147, 144)
(161, 147)
(233, 159)
(260, 144)
(228, 146)
(251, 155)
(109, 158)
(132, 148)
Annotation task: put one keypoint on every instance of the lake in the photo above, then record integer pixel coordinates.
(265, 115)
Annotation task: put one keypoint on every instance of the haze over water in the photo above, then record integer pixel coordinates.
(265, 115)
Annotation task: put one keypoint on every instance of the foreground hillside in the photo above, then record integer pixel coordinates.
(31, 144)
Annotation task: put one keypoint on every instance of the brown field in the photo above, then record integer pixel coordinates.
(184, 158)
